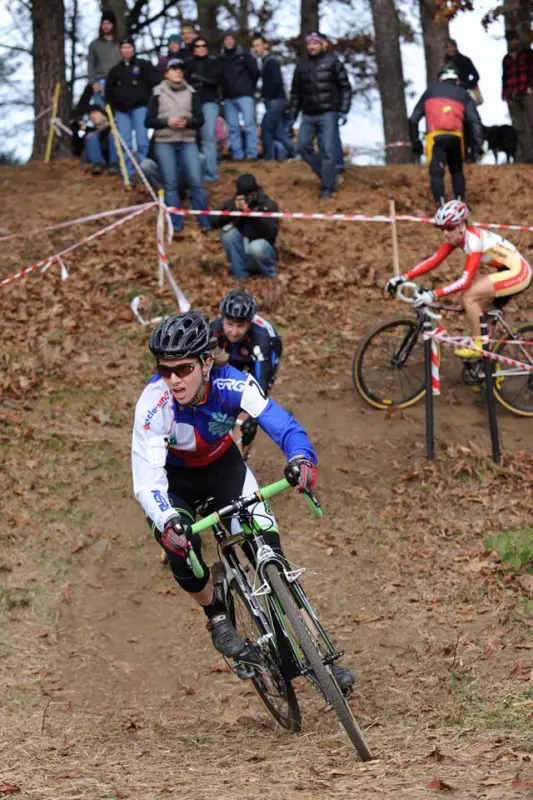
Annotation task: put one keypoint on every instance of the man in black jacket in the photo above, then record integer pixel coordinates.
(249, 242)
(275, 99)
(239, 79)
(449, 110)
(204, 73)
(127, 90)
(321, 91)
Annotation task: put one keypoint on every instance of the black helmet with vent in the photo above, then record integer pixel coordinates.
(238, 305)
(181, 336)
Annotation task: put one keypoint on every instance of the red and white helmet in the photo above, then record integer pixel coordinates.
(451, 214)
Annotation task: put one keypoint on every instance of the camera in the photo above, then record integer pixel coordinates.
(252, 200)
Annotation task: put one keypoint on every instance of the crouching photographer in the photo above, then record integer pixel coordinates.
(249, 242)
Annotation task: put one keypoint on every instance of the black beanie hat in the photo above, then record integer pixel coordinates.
(109, 16)
(126, 40)
(246, 184)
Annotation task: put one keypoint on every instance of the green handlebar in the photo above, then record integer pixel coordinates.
(194, 564)
(267, 492)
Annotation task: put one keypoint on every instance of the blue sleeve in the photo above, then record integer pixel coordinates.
(241, 391)
(286, 432)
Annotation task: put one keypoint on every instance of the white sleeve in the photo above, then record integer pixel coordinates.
(253, 400)
(150, 483)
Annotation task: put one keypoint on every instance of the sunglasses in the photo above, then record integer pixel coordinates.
(180, 371)
(197, 46)
(447, 227)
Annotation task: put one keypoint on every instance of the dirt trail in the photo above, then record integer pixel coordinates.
(110, 686)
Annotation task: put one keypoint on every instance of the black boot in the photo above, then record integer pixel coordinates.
(224, 636)
(344, 678)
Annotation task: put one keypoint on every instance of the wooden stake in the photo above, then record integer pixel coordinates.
(51, 129)
(118, 145)
(394, 233)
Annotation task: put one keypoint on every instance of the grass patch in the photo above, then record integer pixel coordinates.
(515, 548)
(14, 598)
(514, 711)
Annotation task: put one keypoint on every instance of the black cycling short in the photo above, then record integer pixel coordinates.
(447, 151)
(224, 481)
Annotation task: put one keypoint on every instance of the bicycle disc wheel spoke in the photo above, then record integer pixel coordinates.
(513, 386)
(388, 365)
(276, 693)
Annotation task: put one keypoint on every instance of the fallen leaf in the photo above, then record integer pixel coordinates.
(9, 789)
(519, 785)
(438, 785)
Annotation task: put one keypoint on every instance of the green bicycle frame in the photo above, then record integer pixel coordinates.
(261, 494)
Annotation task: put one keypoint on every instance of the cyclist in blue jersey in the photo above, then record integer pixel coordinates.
(183, 453)
(252, 345)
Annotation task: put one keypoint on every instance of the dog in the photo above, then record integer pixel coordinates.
(501, 138)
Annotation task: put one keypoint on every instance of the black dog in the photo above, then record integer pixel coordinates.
(501, 138)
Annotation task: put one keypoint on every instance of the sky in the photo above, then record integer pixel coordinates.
(364, 127)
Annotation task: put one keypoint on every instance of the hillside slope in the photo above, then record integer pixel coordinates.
(110, 686)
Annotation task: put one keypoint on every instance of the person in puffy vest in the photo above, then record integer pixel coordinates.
(321, 91)
(448, 109)
(175, 114)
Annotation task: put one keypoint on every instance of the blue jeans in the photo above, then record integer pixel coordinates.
(127, 122)
(209, 142)
(339, 155)
(273, 129)
(325, 128)
(175, 158)
(246, 106)
(93, 145)
(246, 256)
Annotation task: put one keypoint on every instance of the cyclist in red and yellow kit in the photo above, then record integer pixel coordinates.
(481, 247)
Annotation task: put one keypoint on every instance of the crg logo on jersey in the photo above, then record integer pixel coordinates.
(160, 500)
(153, 411)
(229, 383)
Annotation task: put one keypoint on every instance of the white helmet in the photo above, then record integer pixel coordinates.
(451, 214)
(448, 74)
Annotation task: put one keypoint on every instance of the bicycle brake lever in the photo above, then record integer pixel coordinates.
(313, 503)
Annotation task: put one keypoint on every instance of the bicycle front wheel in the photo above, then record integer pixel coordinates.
(513, 386)
(322, 673)
(264, 666)
(388, 364)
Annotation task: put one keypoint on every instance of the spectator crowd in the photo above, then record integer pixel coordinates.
(198, 103)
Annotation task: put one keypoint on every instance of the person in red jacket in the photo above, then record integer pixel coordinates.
(448, 109)
(517, 91)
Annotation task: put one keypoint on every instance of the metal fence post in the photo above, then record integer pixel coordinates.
(430, 423)
(488, 368)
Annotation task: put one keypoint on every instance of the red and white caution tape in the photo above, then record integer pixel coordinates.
(435, 372)
(333, 217)
(440, 335)
(46, 263)
(79, 221)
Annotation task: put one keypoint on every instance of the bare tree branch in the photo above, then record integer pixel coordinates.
(148, 21)
(17, 49)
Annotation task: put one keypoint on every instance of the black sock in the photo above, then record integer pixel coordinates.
(215, 607)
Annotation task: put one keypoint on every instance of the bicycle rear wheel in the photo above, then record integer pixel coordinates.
(274, 690)
(513, 386)
(322, 673)
(388, 364)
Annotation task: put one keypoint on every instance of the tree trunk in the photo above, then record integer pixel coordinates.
(309, 20)
(519, 17)
(390, 79)
(48, 25)
(434, 35)
(120, 10)
(243, 18)
(208, 22)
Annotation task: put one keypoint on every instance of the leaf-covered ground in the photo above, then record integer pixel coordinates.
(109, 685)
